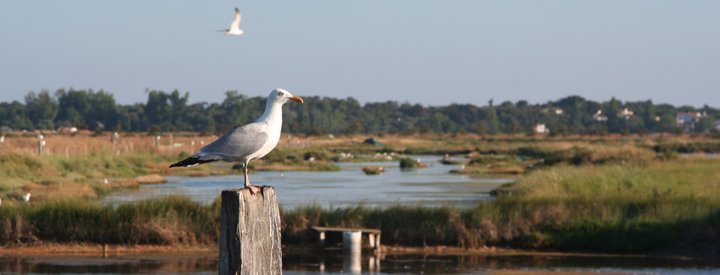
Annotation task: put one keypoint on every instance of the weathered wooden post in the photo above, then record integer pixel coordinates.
(250, 232)
(321, 240)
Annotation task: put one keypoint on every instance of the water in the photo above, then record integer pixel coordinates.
(431, 186)
(336, 263)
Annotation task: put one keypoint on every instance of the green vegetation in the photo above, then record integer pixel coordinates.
(627, 194)
(495, 164)
(170, 220)
(712, 146)
(636, 208)
(171, 111)
(47, 169)
(49, 172)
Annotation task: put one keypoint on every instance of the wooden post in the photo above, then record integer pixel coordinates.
(250, 232)
(377, 242)
(322, 239)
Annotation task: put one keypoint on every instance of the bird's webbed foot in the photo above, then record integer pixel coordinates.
(253, 189)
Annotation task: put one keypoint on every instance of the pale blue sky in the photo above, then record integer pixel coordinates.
(429, 52)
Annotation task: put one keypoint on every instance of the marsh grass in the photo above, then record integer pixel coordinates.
(545, 210)
(602, 194)
(25, 171)
(655, 206)
(171, 220)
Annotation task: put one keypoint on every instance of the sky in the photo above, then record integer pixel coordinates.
(427, 52)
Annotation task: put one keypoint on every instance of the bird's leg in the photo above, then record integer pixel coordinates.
(253, 188)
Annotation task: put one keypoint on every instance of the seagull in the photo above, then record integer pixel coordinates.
(26, 197)
(235, 25)
(249, 142)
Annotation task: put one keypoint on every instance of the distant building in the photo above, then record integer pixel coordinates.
(598, 116)
(688, 117)
(717, 124)
(541, 129)
(558, 111)
(626, 113)
(687, 120)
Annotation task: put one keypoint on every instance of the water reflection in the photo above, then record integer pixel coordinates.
(333, 263)
(336, 262)
(432, 186)
(138, 264)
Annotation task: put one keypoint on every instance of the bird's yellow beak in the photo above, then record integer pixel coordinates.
(297, 99)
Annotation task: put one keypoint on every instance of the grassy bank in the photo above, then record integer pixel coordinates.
(660, 206)
(78, 166)
(657, 206)
(168, 221)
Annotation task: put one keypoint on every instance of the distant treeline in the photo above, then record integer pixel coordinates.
(170, 111)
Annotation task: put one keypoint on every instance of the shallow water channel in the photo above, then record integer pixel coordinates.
(336, 263)
(431, 186)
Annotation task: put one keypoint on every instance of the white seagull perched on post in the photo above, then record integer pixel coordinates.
(249, 142)
(235, 25)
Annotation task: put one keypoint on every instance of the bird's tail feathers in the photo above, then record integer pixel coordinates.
(190, 162)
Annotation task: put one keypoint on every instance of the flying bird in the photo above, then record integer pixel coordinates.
(249, 142)
(235, 25)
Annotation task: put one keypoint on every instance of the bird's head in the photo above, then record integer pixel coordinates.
(282, 96)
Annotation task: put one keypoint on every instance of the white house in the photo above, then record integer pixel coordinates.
(687, 120)
(688, 117)
(626, 113)
(598, 116)
(541, 129)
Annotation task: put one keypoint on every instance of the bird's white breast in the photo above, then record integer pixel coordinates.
(272, 141)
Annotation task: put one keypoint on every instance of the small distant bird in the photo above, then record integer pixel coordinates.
(235, 25)
(105, 181)
(249, 142)
(26, 197)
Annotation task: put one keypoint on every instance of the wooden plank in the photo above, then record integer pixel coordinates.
(250, 232)
(343, 229)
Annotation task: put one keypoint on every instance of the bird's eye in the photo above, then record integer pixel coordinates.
(281, 93)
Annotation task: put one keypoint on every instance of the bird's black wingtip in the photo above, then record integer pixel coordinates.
(189, 162)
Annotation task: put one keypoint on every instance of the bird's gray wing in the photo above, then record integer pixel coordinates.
(236, 144)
